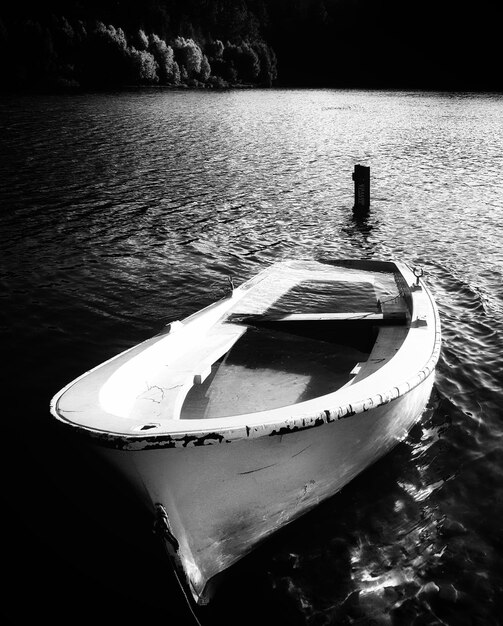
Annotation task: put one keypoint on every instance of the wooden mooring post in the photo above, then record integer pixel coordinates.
(361, 176)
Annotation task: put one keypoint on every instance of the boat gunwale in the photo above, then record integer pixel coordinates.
(233, 433)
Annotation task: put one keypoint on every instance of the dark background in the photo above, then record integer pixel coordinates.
(435, 44)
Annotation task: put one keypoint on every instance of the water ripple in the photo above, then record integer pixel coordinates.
(123, 211)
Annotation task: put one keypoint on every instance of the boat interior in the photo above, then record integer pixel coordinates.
(316, 338)
(289, 335)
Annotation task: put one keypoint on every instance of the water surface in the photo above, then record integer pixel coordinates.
(123, 211)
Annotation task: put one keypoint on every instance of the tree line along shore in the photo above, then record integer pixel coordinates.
(439, 44)
(62, 54)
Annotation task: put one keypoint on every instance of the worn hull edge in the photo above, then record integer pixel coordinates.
(286, 426)
(131, 442)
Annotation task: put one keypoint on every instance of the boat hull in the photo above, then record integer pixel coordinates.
(221, 500)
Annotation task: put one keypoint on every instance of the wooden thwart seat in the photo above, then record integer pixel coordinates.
(393, 317)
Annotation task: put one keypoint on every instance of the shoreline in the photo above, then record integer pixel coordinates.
(82, 90)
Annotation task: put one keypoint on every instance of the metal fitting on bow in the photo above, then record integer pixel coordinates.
(418, 272)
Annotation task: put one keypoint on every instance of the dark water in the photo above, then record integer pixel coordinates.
(120, 212)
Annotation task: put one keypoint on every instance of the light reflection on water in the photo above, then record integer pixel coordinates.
(123, 211)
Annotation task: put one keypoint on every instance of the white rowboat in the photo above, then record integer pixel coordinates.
(240, 418)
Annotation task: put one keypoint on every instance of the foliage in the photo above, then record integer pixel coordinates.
(165, 58)
(217, 43)
(91, 43)
(143, 67)
(188, 55)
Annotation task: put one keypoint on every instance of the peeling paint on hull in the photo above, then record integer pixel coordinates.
(257, 486)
